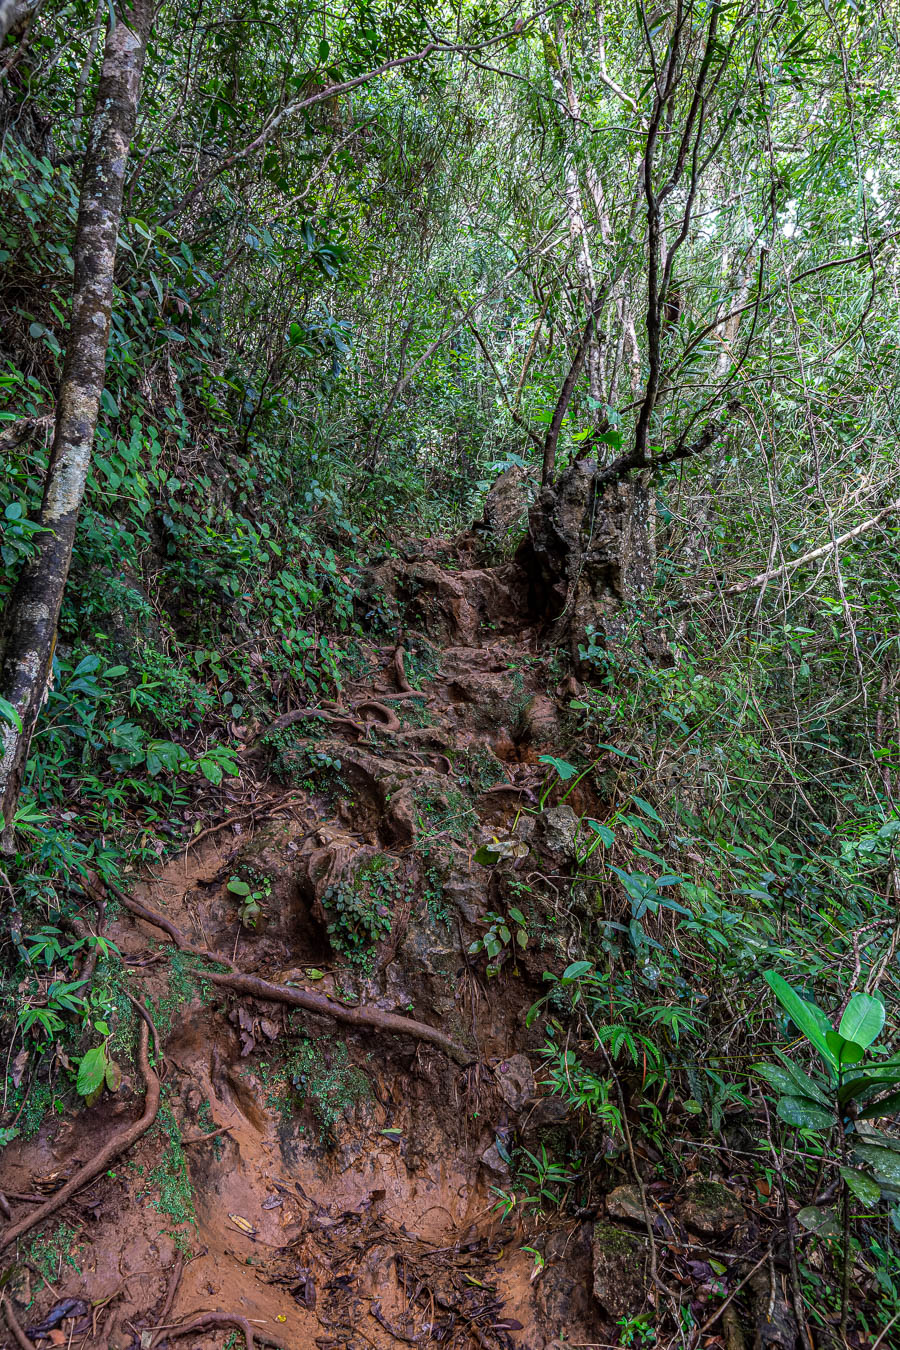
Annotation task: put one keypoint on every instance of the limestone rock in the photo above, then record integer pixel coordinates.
(558, 827)
(515, 1081)
(710, 1208)
(620, 1269)
(625, 1203)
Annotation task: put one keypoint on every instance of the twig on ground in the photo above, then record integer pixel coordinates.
(18, 1334)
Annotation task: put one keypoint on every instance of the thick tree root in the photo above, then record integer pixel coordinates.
(386, 716)
(296, 998)
(301, 714)
(403, 683)
(219, 1319)
(318, 1003)
(121, 1144)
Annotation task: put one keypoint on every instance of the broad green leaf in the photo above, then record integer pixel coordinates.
(862, 1020)
(577, 969)
(606, 835)
(92, 1071)
(777, 1078)
(885, 1106)
(863, 1187)
(803, 1113)
(844, 1051)
(821, 1221)
(884, 1162)
(517, 915)
(808, 1017)
(808, 1087)
(238, 887)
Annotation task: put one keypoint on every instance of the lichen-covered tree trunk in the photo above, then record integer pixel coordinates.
(28, 631)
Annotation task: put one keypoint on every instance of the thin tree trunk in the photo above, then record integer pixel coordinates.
(556, 56)
(28, 632)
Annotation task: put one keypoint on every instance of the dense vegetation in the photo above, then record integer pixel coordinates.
(370, 258)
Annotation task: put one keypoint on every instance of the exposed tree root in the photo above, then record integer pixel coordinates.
(219, 1319)
(319, 1003)
(296, 998)
(300, 714)
(171, 1291)
(18, 1334)
(98, 1164)
(400, 670)
(160, 921)
(386, 716)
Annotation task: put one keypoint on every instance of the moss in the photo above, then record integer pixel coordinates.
(48, 1252)
(317, 1074)
(171, 1178)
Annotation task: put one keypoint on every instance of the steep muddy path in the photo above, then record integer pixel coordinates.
(337, 1177)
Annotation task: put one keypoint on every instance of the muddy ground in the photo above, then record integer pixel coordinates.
(336, 1185)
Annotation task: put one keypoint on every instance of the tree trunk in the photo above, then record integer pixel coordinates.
(28, 633)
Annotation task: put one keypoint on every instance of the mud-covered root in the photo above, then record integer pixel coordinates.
(114, 1149)
(362, 1016)
(207, 1321)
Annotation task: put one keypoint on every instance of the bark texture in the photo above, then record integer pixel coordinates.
(590, 549)
(29, 624)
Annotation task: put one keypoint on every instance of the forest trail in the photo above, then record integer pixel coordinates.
(338, 1185)
(345, 1194)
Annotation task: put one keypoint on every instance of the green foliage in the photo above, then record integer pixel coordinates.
(505, 933)
(360, 906)
(251, 902)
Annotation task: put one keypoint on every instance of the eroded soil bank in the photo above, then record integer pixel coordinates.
(337, 1184)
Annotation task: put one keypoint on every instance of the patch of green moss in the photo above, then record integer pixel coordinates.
(49, 1251)
(170, 1179)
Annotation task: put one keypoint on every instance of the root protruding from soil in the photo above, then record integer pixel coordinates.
(362, 1016)
(219, 1319)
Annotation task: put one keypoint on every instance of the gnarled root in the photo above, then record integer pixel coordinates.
(318, 1003)
(219, 1319)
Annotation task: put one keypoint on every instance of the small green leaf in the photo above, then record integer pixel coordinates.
(238, 887)
(577, 969)
(562, 767)
(485, 856)
(522, 938)
(517, 915)
(844, 1051)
